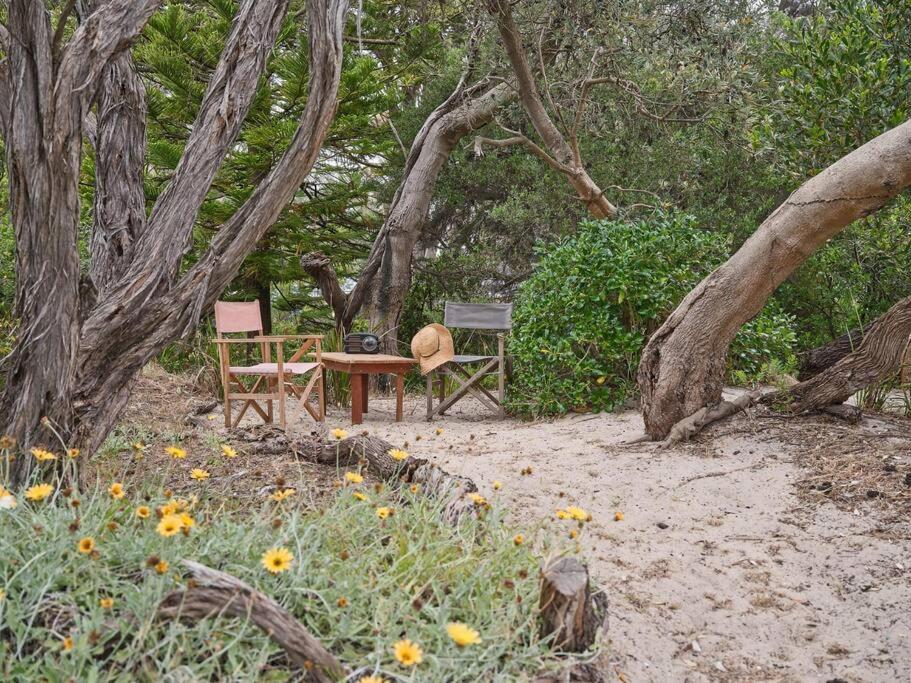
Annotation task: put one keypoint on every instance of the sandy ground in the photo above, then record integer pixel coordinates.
(751, 579)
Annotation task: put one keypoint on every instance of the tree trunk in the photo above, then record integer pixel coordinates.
(570, 611)
(878, 357)
(816, 360)
(683, 363)
(565, 156)
(76, 367)
(387, 273)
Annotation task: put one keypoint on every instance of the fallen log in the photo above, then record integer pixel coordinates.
(212, 593)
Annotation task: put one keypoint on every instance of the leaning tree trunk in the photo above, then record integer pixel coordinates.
(878, 357)
(816, 360)
(387, 274)
(683, 363)
(76, 366)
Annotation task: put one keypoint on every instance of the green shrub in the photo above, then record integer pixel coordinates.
(358, 582)
(583, 316)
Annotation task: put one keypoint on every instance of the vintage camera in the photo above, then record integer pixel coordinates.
(362, 342)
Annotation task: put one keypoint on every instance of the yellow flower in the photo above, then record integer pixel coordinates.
(383, 513)
(143, 512)
(86, 545)
(228, 451)
(67, 644)
(398, 454)
(339, 433)
(462, 634)
(601, 380)
(372, 679)
(408, 653)
(476, 498)
(116, 490)
(42, 455)
(342, 602)
(518, 539)
(186, 521)
(439, 430)
(279, 496)
(39, 492)
(573, 533)
(353, 477)
(415, 488)
(106, 603)
(360, 495)
(73, 452)
(618, 516)
(562, 514)
(138, 446)
(176, 453)
(578, 514)
(169, 525)
(162, 566)
(497, 485)
(277, 560)
(198, 474)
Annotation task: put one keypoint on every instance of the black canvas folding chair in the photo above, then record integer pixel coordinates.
(488, 317)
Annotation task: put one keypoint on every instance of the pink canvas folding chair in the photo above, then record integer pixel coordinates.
(272, 380)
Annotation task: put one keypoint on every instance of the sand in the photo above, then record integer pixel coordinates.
(746, 578)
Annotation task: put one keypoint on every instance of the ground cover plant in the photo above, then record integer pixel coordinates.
(82, 574)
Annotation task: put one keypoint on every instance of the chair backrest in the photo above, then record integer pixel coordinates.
(237, 316)
(478, 316)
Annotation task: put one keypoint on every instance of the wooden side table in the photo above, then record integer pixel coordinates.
(360, 366)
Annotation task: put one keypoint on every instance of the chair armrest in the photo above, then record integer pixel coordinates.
(297, 336)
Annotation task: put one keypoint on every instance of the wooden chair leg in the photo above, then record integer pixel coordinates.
(227, 389)
(321, 389)
(399, 397)
(430, 395)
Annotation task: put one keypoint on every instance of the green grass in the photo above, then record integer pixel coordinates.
(403, 577)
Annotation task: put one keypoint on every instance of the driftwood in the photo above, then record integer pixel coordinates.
(434, 480)
(214, 593)
(569, 609)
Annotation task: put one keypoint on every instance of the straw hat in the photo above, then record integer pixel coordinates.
(432, 346)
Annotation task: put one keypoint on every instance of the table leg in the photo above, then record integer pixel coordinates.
(365, 389)
(399, 396)
(357, 395)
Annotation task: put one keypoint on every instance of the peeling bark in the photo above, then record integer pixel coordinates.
(76, 367)
(683, 363)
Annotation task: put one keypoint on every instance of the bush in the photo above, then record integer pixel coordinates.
(358, 582)
(582, 318)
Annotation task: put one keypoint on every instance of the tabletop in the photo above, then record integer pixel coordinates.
(365, 358)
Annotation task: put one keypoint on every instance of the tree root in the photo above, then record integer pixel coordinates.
(212, 593)
(688, 427)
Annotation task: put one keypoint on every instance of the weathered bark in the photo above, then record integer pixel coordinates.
(386, 276)
(683, 363)
(563, 156)
(213, 593)
(81, 378)
(119, 139)
(878, 357)
(44, 152)
(816, 360)
(318, 266)
(570, 611)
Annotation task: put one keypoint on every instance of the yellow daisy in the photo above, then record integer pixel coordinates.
(176, 452)
(67, 644)
(39, 492)
(169, 525)
(408, 653)
(228, 451)
(578, 514)
(86, 545)
(279, 496)
(497, 485)
(518, 539)
(42, 455)
(415, 488)
(277, 560)
(199, 474)
(73, 452)
(339, 433)
(360, 495)
(476, 498)
(116, 490)
(372, 679)
(618, 516)
(383, 513)
(143, 512)
(398, 454)
(186, 521)
(462, 634)
(106, 603)
(161, 567)
(353, 477)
